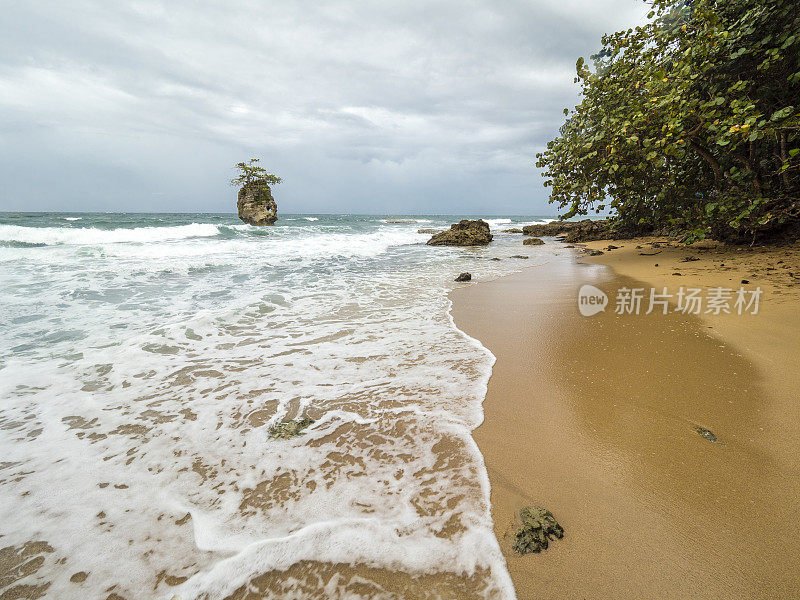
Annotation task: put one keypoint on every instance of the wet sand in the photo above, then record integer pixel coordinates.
(594, 418)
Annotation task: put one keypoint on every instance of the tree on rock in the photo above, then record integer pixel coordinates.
(250, 173)
(255, 204)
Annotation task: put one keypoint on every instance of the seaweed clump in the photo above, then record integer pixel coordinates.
(289, 429)
(538, 527)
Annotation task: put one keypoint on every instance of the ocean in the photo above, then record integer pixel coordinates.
(144, 359)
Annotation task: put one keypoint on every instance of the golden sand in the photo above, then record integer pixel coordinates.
(595, 419)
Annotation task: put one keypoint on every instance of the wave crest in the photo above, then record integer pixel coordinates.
(51, 236)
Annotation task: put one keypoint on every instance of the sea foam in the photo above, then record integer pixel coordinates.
(140, 381)
(88, 235)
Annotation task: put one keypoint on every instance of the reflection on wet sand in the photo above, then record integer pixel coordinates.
(595, 418)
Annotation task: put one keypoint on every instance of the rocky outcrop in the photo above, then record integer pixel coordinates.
(512, 230)
(532, 242)
(256, 205)
(464, 233)
(573, 231)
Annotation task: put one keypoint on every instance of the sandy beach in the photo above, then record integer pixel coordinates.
(595, 419)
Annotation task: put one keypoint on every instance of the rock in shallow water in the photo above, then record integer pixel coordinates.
(532, 242)
(255, 205)
(463, 233)
(464, 277)
(289, 429)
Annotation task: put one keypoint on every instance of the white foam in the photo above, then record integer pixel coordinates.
(73, 218)
(402, 221)
(90, 236)
(240, 331)
(539, 222)
(497, 222)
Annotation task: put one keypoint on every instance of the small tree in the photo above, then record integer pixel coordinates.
(251, 173)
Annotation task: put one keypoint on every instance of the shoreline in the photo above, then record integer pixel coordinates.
(594, 419)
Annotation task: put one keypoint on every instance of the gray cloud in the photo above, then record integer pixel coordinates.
(361, 106)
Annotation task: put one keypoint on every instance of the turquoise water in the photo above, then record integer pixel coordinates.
(144, 357)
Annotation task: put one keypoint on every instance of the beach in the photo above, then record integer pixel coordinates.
(149, 360)
(599, 420)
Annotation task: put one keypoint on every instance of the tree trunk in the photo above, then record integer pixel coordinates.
(709, 158)
(749, 166)
(785, 159)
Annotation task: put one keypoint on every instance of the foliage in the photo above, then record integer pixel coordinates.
(250, 173)
(691, 121)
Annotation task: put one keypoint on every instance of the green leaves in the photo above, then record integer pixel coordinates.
(688, 120)
(250, 173)
(783, 113)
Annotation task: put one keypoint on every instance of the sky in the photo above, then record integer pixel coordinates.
(390, 107)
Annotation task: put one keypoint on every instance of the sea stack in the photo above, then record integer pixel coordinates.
(256, 205)
(464, 233)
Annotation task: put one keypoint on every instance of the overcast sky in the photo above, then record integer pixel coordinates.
(381, 107)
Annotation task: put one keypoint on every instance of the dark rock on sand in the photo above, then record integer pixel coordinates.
(592, 252)
(256, 205)
(464, 233)
(708, 434)
(532, 242)
(518, 256)
(464, 277)
(539, 526)
(494, 258)
(289, 429)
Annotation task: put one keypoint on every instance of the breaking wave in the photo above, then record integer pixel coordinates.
(51, 236)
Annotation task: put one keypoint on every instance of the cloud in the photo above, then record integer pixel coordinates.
(379, 107)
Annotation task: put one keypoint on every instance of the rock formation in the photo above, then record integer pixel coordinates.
(573, 231)
(464, 233)
(464, 277)
(532, 242)
(256, 205)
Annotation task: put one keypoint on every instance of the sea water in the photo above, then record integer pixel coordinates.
(144, 359)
